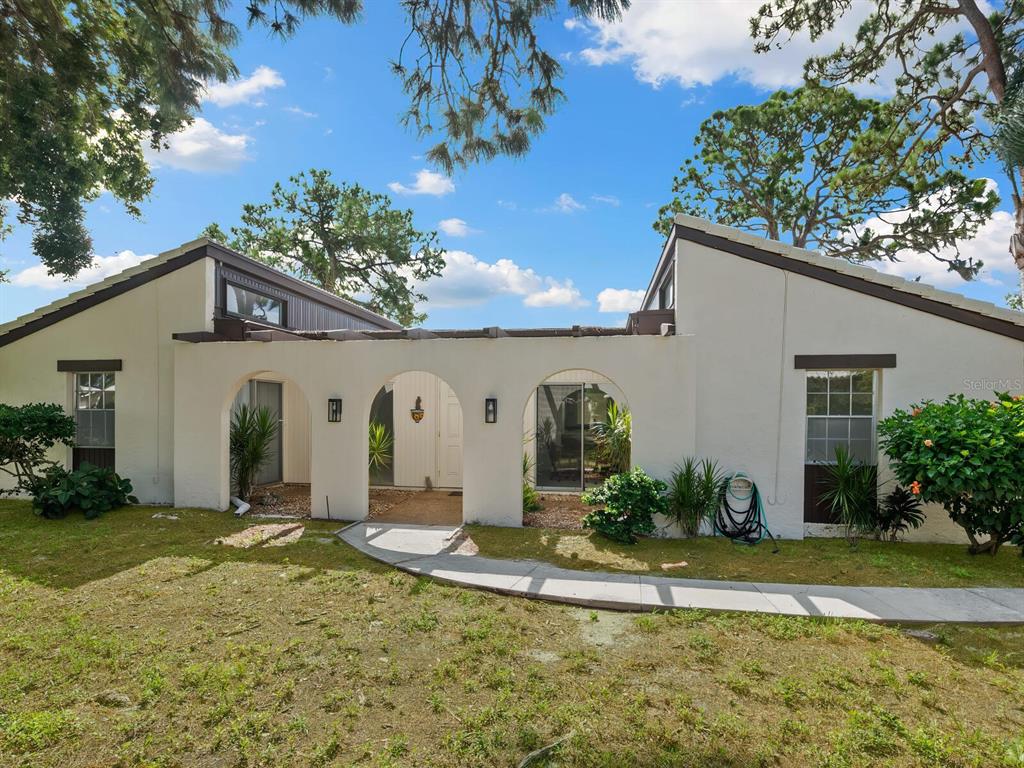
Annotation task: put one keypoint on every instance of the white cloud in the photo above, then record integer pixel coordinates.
(698, 42)
(566, 203)
(202, 148)
(619, 300)
(300, 112)
(990, 245)
(557, 294)
(468, 281)
(101, 268)
(611, 200)
(427, 183)
(246, 90)
(455, 227)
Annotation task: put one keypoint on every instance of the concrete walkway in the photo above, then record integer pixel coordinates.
(441, 552)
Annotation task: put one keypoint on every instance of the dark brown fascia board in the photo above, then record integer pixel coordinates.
(80, 366)
(840, 362)
(199, 337)
(258, 269)
(104, 294)
(851, 282)
(664, 261)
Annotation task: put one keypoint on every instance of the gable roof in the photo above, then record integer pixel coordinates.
(163, 264)
(839, 272)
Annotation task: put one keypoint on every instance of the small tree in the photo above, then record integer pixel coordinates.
(630, 500)
(252, 434)
(968, 456)
(27, 433)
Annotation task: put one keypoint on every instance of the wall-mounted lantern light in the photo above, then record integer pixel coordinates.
(417, 412)
(491, 410)
(334, 409)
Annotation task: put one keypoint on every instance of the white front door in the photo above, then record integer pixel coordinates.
(449, 438)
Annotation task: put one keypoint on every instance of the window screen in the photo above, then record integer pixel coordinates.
(257, 306)
(840, 412)
(94, 410)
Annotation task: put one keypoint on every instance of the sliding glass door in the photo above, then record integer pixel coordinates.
(567, 455)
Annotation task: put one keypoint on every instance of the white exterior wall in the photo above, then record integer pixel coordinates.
(418, 446)
(652, 372)
(749, 320)
(135, 327)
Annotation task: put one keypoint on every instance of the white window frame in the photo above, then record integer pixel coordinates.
(76, 399)
(828, 418)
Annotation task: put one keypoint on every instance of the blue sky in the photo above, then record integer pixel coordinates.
(541, 237)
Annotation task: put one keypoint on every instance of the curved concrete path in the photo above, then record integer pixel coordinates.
(434, 551)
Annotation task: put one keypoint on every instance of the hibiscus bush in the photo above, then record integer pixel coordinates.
(968, 456)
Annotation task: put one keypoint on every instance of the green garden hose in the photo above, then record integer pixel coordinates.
(747, 526)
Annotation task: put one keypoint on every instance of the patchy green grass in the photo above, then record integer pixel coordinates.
(811, 561)
(130, 641)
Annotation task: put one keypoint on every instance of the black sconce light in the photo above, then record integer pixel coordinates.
(491, 410)
(334, 409)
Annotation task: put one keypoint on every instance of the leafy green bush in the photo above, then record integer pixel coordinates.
(968, 456)
(852, 493)
(252, 435)
(693, 493)
(613, 438)
(630, 499)
(899, 511)
(93, 490)
(27, 432)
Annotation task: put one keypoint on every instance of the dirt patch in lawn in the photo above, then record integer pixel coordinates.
(563, 511)
(423, 508)
(130, 640)
(280, 500)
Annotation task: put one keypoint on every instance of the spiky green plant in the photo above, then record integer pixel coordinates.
(693, 493)
(381, 443)
(851, 493)
(252, 435)
(613, 438)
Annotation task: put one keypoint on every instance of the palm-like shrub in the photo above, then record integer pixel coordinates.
(899, 511)
(613, 438)
(531, 499)
(381, 444)
(851, 493)
(253, 431)
(693, 493)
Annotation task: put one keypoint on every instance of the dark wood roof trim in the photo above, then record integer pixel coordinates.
(232, 329)
(665, 261)
(840, 362)
(104, 294)
(293, 284)
(80, 366)
(198, 337)
(852, 283)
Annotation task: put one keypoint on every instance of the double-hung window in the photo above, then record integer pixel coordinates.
(95, 398)
(840, 414)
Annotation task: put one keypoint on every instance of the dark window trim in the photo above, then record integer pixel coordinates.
(225, 282)
(842, 362)
(88, 366)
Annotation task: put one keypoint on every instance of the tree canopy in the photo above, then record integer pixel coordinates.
(813, 166)
(344, 239)
(956, 74)
(87, 84)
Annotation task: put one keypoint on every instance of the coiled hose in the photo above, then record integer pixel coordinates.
(747, 526)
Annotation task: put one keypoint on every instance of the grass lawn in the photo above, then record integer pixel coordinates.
(130, 641)
(811, 561)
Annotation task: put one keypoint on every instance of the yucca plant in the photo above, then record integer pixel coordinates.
(531, 499)
(851, 495)
(252, 435)
(381, 443)
(693, 493)
(613, 438)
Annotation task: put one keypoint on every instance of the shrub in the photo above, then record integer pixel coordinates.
(630, 499)
(693, 493)
(27, 432)
(252, 434)
(381, 443)
(531, 499)
(852, 493)
(613, 438)
(968, 456)
(899, 511)
(93, 490)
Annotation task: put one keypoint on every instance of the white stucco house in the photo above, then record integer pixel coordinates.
(762, 356)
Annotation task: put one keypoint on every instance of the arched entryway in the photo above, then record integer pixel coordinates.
(414, 461)
(577, 431)
(281, 483)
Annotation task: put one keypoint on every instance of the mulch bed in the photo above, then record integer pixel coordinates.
(558, 510)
